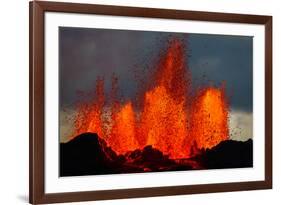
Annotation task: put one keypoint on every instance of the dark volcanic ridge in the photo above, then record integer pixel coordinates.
(88, 154)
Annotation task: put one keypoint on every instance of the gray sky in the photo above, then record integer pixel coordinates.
(87, 53)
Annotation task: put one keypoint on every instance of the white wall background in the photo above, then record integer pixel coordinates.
(14, 100)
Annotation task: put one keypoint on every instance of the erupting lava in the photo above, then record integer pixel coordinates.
(164, 116)
(123, 132)
(89, 114)
(209, 118)
(170, 119)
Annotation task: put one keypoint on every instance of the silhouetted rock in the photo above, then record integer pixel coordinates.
(228, 154)
(148, 154)
(87, 154)
(151, 159)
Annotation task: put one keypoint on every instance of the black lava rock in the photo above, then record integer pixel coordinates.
(87, 154)
(228, 154)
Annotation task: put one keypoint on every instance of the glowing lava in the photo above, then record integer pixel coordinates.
(209, 119)
(170, 119)
(123, 132)
(164, 116)
(89, 115)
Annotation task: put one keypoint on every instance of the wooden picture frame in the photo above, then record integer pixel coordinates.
(37, 11)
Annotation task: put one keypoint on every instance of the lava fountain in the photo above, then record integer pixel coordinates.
(164, 117)
(209, 117)
(89, 114)
(170, 118)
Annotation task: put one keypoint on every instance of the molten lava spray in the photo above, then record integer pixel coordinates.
(209, 118)
(123, 132)
(89, 115)
(170, 119)
(164, 116)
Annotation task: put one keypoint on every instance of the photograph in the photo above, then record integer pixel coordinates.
(133, 101)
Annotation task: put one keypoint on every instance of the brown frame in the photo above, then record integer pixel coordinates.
(36, 141)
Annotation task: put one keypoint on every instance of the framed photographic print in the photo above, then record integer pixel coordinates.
(139, 102)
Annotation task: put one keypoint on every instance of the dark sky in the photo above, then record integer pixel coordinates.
(87, 53)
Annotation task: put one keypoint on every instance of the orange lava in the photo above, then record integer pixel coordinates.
(123, 132)
(164, 117)
(209, 118)
(89, 115)
(170, 119)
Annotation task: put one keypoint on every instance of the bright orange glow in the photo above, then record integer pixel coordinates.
(123, 132)
(169, 118)
(164, 123)
(164, 118)
(209, 122)
(89, 117)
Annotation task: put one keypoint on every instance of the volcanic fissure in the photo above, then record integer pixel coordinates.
(169, 115)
